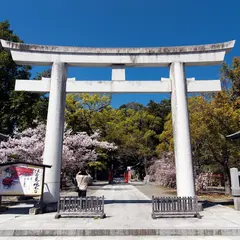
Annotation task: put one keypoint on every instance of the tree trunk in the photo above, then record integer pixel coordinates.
(226, 170)
(110, 174)
(145, 165)
(95, 174)
(227, 181)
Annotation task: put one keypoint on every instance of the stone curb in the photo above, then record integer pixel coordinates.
(123, 232)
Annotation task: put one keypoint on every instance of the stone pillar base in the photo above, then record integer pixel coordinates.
(50, 207)
(200, 206)
(236, 201)
(47, 208)
(3, 208)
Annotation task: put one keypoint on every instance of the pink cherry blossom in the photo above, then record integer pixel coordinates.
(78, 149)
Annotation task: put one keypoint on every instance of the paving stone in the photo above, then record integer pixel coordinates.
(125, 216)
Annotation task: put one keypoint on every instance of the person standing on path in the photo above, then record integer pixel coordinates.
(83, 178)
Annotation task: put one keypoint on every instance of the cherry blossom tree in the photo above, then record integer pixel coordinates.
(163, 172)
(24, 146)
(78, 149)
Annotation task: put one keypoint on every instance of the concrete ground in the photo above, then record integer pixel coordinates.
(153, 190)
(90, 191)
(128, 213)
(122, 238)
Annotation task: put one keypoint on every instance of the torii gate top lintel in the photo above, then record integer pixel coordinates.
(208, 54)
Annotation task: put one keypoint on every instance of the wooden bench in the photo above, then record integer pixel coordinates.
(81, 207)
(175, 207)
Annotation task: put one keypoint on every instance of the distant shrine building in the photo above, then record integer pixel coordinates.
(176, 58)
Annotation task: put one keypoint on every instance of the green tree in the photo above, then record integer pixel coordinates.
(131, 127)
(18, 109)
(82, 109)
(230, 77)
(132, 105)
(210, 121)
(209, 127)
(88, 113)
(160, 110)
(135, 133)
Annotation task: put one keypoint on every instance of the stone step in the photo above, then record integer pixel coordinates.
(123, 232)
(124, 238)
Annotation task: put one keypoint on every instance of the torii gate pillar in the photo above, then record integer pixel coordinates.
(181, 131)
(54, 131)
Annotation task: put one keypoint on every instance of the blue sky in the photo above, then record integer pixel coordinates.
(127, 23)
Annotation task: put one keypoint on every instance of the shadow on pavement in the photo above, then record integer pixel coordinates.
(17, 210)
(98, 184)
(207, 204)
(126, 201)
(115, 189)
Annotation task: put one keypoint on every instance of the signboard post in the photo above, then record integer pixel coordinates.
(235, 184)
(22, 179)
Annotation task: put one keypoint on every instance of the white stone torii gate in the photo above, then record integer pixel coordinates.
(118, 58)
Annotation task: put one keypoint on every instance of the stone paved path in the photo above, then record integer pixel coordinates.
(150, 190)
(128, 210)
(122, 238)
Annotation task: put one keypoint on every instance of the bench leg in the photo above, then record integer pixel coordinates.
(103, 216)
(198, 216)
(153, 216)
(57, 216)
